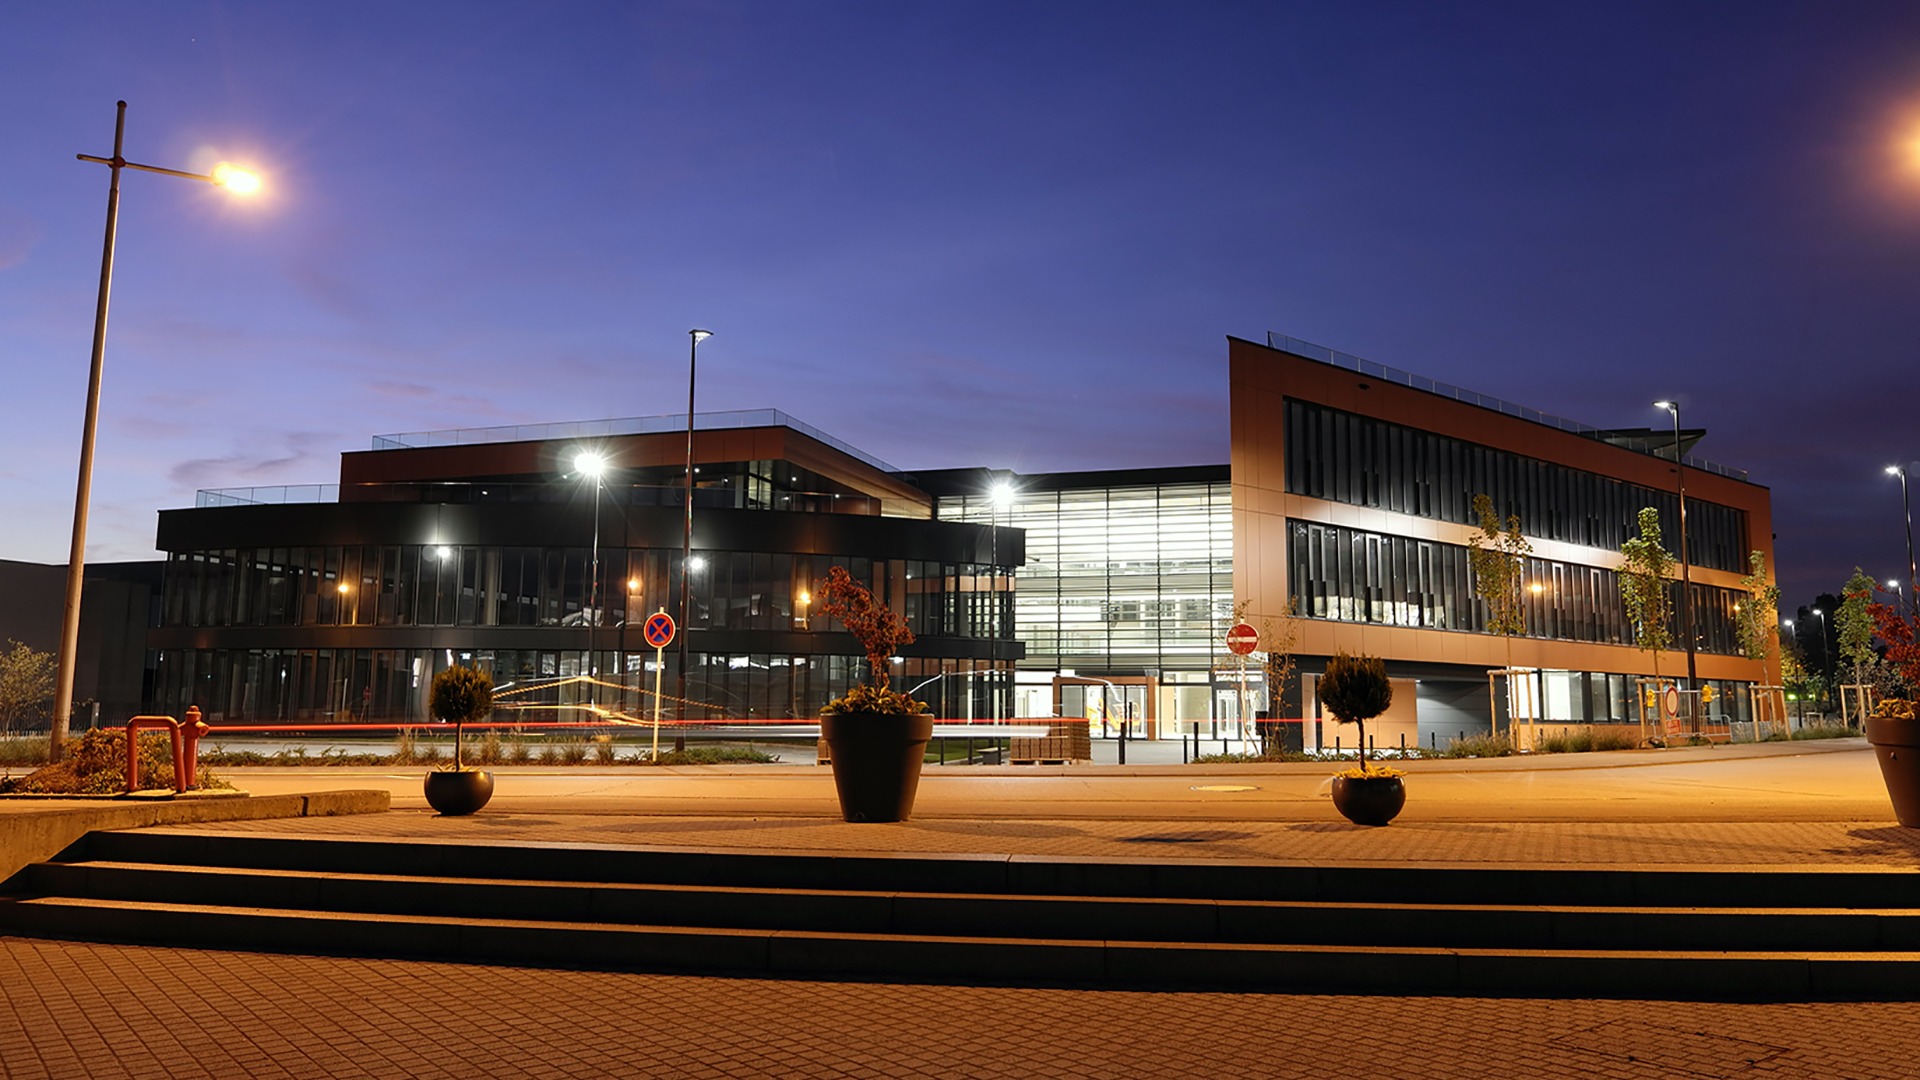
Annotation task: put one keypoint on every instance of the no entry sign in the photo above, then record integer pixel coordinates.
(659, 629)
(1242, 640)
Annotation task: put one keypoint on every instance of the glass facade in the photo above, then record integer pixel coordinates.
(467, 585)
(272, 685)
(1126, 579)
(1353, 576)
(1347, 458)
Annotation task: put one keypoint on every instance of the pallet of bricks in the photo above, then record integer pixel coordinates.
(1065, 741)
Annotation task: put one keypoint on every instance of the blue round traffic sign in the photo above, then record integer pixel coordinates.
(659, 629)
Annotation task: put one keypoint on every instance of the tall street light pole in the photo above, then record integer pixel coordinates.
(1826, 653)
(587, 463)
(1686, 565)
(694, 338)
(1913, 593)
(234, 179)
(1002, 494)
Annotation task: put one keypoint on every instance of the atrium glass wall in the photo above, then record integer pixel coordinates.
(1354, 576)
(1119, 581)
(1347, 458)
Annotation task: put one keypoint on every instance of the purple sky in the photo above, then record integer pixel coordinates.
(1012, 235)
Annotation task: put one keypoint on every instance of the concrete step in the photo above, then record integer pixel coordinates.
(1210, 879)
(1690, 975)
(997, 915)
(1742, 934)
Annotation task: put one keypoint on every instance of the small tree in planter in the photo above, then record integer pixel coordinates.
(460, 696)
(877, 736)
(1355, 689)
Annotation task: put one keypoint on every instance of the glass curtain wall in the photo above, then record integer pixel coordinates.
(1361, 461)
(1125, 580)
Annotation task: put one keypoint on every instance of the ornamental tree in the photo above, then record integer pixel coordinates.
(1645, 567)
(461, 695)
(1757, 621)
(878, 629)
(1355, 689)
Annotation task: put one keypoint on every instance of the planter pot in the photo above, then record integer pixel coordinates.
(1896, 743)
(876, 763)
(1374, 800)
(455, 792)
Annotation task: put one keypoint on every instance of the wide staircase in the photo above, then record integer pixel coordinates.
(1704, 934)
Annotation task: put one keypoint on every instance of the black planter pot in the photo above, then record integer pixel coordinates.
(1372, 800)
(1896, 743)
(876, 763)
(456, 792)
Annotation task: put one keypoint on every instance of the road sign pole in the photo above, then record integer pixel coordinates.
(659, 632)
(658, 666)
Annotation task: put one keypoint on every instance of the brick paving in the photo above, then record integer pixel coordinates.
(1870, 843)
(110, 1011)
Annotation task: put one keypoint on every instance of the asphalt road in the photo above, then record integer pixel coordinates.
(1815, 781)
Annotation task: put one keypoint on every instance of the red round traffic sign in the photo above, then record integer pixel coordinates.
(1242, 640)
(659, 629)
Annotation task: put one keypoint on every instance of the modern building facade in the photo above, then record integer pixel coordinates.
(1353, 487)
(479, 547)
(1343, 513)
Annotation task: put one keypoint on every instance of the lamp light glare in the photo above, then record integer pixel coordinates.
(587, 463)
(236, 179)
(1002, 494)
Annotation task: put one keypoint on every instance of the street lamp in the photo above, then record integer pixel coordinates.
(1002, 495)
(234, 179)
(1686, 565)
(694, 338)
(588, 463)
(1913, 592)
(1826, 653)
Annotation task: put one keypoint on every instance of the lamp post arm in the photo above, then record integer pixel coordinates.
(118, 162)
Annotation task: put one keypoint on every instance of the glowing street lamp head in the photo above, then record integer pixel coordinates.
(1002, 494)
(345, 588)
(1896, 470)
(697, 564)
(633, 585)
(1667, 405)
(700, 335)
(588, 463)
(236, 179)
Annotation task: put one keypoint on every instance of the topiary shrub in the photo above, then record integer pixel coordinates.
(461, 695)
(1355, 690)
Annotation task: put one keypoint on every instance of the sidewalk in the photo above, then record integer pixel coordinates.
(84, 1010)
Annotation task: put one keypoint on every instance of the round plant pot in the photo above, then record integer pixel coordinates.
(1896, 743)
(876, 763)
(1372, 800)
(455, 792)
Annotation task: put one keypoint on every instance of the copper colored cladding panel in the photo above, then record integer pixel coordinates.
(544, 459)
(1262, 378)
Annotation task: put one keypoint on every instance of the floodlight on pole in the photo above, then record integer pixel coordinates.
(1001, 495)
(234, 179)
(1686, 563)
(1913, 578)
(587, 463)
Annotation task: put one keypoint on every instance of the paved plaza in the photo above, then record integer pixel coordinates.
(86, 1010)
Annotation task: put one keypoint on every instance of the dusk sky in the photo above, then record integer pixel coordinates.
(1005, 234)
